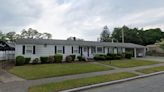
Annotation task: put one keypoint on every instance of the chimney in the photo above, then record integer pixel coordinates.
(74, 38)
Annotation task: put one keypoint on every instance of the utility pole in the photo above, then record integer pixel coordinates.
(122, 35)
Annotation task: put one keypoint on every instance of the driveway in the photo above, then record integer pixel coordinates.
(152, 58)
(150, 84)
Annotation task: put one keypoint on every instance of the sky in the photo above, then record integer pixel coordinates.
(80, 18)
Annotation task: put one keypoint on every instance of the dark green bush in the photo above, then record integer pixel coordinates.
(27, 60)
(68, 59)
(117, 57)
(128, 55)
(44, 60)
(73, 57)
(51, 59)
(112, 56)
(100, 57)
(20, 60)
(35, 61)
(58, 58)
(80, 58)
(109, 58)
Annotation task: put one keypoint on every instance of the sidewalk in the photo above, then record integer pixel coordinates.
(6, 77)
(22, 86)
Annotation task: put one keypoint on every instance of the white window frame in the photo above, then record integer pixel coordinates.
(29, 49)
(60, 49)
(75, 49)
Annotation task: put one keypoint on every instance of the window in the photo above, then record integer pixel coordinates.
(103, 49)
(93, 50)
(75, 49)
(29, 49)
(99, 49)
(119, 50)
(60, 49)
(110, 50)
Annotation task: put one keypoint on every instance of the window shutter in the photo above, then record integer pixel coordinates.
(72, 49)
(88, 51)
(79, 49)
(55, 49)
(23, 49)
(63, 50)
(33, 49)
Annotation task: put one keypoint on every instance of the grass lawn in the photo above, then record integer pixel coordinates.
(151, 70)
(53, 70)
(129, 63)
(68, 84)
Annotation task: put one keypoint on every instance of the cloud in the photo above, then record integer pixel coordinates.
(18, 13)
(81, 18)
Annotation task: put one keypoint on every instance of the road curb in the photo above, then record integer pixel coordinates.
(112, 82)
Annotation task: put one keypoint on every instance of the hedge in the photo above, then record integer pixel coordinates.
(44, 60)
(68, 59)
(27, 60)
(128, 55)
(73, 57)
(58, 58)
(20, 60)
(81, 58)
(100, 57)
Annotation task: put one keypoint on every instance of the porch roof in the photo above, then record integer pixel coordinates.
(71, 42)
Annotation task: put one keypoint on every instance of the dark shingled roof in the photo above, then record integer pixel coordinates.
(71, 42)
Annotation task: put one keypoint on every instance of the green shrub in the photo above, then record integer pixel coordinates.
(58, 58)
(100, 57)
(27, 60)
(68, 59)
(118, 57)
(80, 58)
(51, 59)
(44, 60)
(108, 58)
(128, 55)
(35, 61)
(20, 60)
(73, 57)
(114, 56)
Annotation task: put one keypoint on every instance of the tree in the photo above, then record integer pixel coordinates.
(11, 36)
(34, 34)
(2, 36)
(151, 36)
(105, 35)
(46, 35)
(138, 36)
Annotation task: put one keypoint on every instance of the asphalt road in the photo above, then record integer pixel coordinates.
(149, 84)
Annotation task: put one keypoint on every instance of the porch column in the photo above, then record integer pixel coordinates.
(135, 53)
(90, 52)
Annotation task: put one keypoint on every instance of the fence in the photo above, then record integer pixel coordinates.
(7, 64)
(7, 60)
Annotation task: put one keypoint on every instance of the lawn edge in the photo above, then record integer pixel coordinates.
(112, 82)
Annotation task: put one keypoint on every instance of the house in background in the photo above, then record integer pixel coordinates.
(36, 48)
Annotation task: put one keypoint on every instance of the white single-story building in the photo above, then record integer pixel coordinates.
(36, 48)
